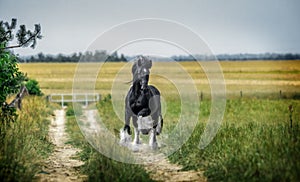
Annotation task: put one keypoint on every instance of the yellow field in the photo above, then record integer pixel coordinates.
(251, 77)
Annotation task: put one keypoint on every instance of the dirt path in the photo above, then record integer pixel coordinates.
(60, 166)
(158, 166)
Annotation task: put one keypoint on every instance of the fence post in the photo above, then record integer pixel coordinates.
(241, 93)
(201, 96)
(62, 100)
(48, 98)
(280, 94)
(86, 100)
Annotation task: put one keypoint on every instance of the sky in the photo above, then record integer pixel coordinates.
(231, 26)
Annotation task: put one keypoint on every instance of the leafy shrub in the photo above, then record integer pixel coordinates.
(70, 111)
(33, 87)
(10, 82)
(73, 109)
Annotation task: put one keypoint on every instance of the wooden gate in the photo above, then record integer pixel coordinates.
(65, 98)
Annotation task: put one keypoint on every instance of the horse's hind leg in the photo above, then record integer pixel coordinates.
(159, 125)
(136, 131)
(158, 122)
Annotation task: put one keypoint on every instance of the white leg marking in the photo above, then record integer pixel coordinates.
(125, 138)
(136, 136)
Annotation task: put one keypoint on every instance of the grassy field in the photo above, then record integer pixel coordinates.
(253, 78)
(255, 141)
(25, 143)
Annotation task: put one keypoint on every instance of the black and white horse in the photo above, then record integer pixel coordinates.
(143, 105)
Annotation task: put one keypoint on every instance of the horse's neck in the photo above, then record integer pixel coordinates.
(136, 87)
(137, 93)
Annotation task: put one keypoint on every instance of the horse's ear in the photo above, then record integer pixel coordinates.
(133, 68)
(150, 64)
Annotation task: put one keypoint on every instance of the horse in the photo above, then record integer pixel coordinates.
(143, 105)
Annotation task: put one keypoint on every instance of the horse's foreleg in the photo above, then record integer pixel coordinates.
(127, 121)
(136, 136)
(125, 138)
(136, 131)
(152, 140)
(156, 130)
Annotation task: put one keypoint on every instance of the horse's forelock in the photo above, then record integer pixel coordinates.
(143, 62)
(139, 64)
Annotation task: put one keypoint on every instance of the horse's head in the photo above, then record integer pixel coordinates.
(141, 71)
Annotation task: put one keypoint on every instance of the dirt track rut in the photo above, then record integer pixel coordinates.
(60, 166)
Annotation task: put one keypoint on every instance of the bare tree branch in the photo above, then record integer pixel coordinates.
(24, 43)
(17, 102)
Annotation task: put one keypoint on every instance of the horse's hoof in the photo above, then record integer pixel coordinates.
(137, 142)
(135, 148)
(154, 146)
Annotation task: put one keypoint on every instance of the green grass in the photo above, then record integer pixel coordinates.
(97, 166)
(25, 143)
(254, 143)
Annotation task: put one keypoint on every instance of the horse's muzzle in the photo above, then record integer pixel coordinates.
(144, 83)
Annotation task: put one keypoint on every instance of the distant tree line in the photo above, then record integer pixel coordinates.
(240, 57)
(97, 56)
(101, 56)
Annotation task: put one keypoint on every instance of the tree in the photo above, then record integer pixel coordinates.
(11, 79)
(122, 58)
(25, 37)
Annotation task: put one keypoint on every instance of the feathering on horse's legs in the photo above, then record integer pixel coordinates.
(136, 136)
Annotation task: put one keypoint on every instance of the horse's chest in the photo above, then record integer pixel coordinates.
(139, 103)
(142, 101)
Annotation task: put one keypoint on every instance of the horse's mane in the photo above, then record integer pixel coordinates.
(141, 61)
